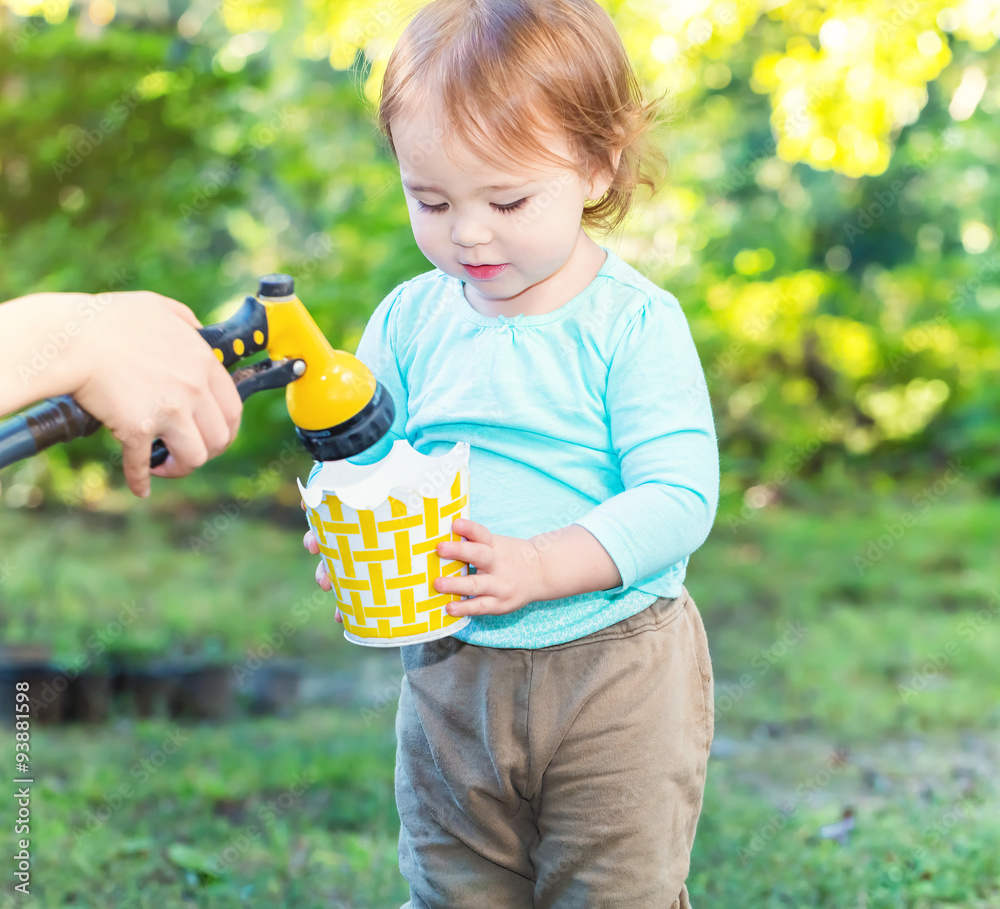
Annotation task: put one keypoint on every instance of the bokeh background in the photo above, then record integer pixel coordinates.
(829, 224)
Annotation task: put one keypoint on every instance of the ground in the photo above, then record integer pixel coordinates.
(856, 685)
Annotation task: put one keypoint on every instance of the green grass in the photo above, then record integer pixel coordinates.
(265, 813)
(90, 583)
(927, 828)
(840, 686)
(818, 640)
(216, 823)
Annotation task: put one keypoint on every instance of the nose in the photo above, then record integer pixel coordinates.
(468, 229)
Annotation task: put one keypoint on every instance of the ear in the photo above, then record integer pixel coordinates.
(600, 181)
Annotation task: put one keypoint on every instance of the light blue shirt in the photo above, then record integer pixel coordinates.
(596, 414)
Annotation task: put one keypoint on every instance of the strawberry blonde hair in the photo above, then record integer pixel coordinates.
(506, 72)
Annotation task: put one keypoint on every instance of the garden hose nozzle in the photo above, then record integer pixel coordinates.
(338, 407)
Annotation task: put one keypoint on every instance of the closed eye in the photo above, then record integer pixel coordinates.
(514, 206)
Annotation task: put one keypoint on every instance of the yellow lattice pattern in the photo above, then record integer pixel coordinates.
(383, 570)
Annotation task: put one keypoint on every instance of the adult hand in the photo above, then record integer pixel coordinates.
(133, 360)
(147, 374)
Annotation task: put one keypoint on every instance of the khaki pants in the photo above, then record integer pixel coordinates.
(569, 777)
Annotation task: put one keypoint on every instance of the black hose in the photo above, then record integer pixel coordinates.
(58, 419)
(16, 441)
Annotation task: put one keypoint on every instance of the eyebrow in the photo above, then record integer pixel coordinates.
(433, 189)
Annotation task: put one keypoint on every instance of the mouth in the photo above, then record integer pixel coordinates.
(484, 272)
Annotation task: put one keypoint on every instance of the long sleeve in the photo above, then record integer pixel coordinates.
(663, 434)
(377, 351)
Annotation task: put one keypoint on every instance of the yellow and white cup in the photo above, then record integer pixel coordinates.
(378, 527)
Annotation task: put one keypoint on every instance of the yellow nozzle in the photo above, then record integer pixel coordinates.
(336, 385)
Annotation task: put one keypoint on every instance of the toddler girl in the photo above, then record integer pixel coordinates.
(552, 753)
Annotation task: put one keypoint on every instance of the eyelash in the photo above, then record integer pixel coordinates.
(514, 206)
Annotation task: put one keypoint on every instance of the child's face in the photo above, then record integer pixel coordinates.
(532, 228)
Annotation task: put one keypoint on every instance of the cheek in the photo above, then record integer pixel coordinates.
(569, 205)
(423, 228)
(560, 204)
(548, 221)
(429, 237)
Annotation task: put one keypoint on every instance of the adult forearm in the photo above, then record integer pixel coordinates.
(573, 562)
(37, 356)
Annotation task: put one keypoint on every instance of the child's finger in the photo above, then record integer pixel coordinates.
(310, 542)
(472, 532)
(322, 578)
(338, 616)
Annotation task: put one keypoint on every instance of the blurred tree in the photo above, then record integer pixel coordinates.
(829, 224)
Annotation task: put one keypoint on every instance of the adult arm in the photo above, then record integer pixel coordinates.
(134, 361)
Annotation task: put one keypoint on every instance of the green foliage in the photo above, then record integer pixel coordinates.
(841, 319)
(162, 171)
(838, 318)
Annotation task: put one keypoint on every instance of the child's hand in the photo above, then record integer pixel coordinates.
(322, 578)
(508, 571)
